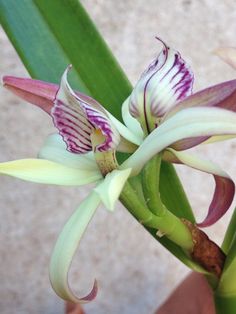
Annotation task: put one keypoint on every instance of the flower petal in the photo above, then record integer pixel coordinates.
(48, 172)
(192, 122)
(77, 119)
(65, 249)
(128, 140)
(54, 149)
(222, 95)
(167, 80)
(109, 190)
(39, 93)
(224, 186)
(227, 54)
(131, 122)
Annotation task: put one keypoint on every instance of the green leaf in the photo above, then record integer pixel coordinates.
(49, 35)
(172, 193)
(230, 234)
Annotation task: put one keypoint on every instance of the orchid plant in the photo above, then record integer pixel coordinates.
(162, 119)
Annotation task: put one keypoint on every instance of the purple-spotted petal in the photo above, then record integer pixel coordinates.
(224, 185)
(167, 81)
(77, 119)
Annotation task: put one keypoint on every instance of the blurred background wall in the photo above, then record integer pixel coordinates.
(135, 273)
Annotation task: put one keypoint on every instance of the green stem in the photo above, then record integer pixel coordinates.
(170, 225)
(225, 305)
(227, 284)
(230, 234)
(150, 183)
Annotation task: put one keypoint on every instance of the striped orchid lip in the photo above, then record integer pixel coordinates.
(78, 120)
(167, 81)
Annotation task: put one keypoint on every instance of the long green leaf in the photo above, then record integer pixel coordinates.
(49, 35)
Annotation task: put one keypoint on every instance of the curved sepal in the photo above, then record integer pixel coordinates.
(48, 172)
(224, 185)
(192, 122)
(65, 249)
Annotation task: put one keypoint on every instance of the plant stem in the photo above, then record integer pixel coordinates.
(225, 305)
(170, 225)
(150, 184)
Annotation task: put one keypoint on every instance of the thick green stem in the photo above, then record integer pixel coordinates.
(150, 183)
(170, 225)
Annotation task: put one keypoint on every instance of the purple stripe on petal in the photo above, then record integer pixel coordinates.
(166, 81)
(222, 199)
(77, 118)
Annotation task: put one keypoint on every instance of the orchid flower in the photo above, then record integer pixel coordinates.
(163, 106)
(85, 155)
(160, 115)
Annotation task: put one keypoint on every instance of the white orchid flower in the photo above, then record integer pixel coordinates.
(162, 108)
(84, 150)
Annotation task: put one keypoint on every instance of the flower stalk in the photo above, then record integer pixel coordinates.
(150, 184)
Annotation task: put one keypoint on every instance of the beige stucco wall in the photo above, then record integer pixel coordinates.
(135, 273)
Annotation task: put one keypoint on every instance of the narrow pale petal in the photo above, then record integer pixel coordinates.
(39, 93)
(48, 172)
(192, 122)
(54, 149)
(77, 120)
(227, 54)
(131, 123)
(224, 186)
(126, 132)
(109, 190)
(167, 80)
(65, 249)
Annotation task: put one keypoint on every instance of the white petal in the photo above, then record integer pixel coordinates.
(109, 190)
(54, 149)
(127, 132)
(48, 172)
(66, 246)
(131, 122)
(192, 122)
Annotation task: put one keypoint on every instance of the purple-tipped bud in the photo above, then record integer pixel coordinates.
(39, 93)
